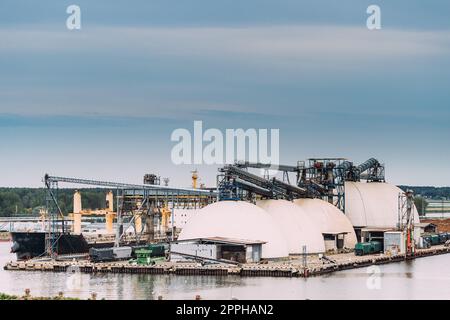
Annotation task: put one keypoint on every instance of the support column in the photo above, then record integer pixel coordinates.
(77, 223)
(109, 222)
(138, 223)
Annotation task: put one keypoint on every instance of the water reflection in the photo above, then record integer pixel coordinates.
(425, 278)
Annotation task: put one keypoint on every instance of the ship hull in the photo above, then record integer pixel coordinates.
(27, 245)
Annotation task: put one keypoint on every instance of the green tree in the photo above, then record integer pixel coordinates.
(10, 203)
(421, 205)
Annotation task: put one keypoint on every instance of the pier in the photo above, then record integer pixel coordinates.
(293, 267)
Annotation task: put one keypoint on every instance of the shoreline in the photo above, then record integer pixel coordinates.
(293, 268)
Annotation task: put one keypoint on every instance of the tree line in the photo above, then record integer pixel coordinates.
(29, 200)
(18, 201)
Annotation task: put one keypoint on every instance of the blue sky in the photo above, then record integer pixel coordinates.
(102, 102)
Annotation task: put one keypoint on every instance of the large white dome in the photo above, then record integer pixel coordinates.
(298, 228)
(373, 204)
(329, 219)
(239, 220)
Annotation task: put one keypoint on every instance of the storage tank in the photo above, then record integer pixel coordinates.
(329, 219)
(373, 204)
(298, 228)
(238, 220)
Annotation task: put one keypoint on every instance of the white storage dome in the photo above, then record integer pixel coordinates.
(373, 204)
(329, 219)
(238, 220)
(298, 228)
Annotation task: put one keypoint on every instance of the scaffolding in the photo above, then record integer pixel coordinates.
(138, 206)
(406, 220)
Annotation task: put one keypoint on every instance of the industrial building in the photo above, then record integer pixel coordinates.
(301, 232)
(331, 206)
(328, 210)
(373, 205)
(335, 227)
(217, 249)
(237, 220)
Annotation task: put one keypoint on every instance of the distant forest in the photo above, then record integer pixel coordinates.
(429, 192)
(29, 200)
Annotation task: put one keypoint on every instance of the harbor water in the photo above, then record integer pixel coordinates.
(425, 278)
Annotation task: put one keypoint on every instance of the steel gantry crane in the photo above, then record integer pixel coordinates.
(132, 200)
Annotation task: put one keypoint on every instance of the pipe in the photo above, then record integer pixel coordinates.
(372, 162)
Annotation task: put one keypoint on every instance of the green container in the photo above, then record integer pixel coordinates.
(376, 246)
(434, 239)
(363, 248)
(156, 250)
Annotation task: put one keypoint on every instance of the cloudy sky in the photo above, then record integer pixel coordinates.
(102, 102)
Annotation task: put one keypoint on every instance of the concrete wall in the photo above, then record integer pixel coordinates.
(330, 245)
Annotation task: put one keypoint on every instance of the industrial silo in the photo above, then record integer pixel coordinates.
(335, 227)
(373, 204)
(299, 230)
(237, 220)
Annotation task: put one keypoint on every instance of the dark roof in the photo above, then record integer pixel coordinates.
(334, 232)
(424, 224)
(223, 240)
(377, 229)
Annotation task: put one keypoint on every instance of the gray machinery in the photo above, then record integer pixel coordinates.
(321, 178)
(236, 183)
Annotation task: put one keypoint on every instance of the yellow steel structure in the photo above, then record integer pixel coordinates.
(78, 212)
(194, 179)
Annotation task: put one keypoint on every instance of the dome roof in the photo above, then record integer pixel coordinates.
(298, 228)
(238, 220)
(373, 204)
(328, 218)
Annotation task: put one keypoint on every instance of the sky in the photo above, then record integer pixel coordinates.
(101, 102)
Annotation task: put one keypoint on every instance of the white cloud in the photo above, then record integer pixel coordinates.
(269, 52)
(290, 44)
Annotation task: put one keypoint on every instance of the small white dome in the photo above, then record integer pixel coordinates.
(373, 204)
(298, 228)
(329, 219)
(238, 220)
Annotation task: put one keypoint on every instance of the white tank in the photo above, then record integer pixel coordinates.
(373, 204)
(238, 220)
(329, 219)
(298, 228)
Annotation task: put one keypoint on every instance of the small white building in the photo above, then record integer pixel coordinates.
(216, 249)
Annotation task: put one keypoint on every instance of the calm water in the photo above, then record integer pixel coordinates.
(427, 278)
